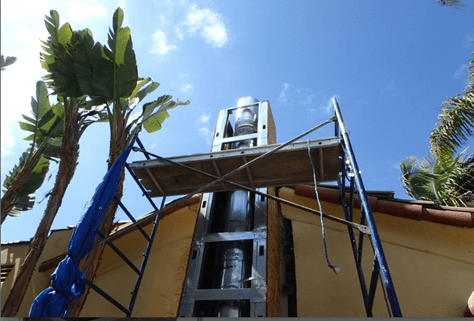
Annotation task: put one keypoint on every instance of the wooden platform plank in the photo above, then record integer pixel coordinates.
(288, 166)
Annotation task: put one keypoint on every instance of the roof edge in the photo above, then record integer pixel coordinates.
(420, 212)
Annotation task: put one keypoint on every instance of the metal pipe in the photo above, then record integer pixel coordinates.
(238, 217)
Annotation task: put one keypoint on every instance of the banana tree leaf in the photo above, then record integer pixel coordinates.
(155, 121)
(25, 199)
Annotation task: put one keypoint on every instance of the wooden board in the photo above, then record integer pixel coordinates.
(288, 166)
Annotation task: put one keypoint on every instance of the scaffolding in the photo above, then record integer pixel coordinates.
(225, 169)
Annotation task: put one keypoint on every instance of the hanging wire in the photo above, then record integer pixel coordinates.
(336, 269)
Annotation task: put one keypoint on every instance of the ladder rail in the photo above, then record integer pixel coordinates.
(341, 131)
(145, 260)
(149, 239)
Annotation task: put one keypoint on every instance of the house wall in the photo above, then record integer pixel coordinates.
(160, 290)
(12, 254)
(432, 264)
(57, 243)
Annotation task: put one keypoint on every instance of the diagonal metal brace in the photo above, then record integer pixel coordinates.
(362, 228)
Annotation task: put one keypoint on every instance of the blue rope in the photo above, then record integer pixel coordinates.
(336, 269)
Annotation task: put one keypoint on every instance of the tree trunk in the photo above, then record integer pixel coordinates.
(118, 144)
(9, 198)
(67, 166)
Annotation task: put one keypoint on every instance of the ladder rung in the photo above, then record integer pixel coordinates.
(227, 294)
(132, 218)
(120, 253)
(140, 185)
(106, 296)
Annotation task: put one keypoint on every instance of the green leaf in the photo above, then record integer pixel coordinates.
(27, 127)
(150, 107)
(65, 35)
(43, 105)
(121, 43)
(7, 62)
(118, 19)
(154, 122)
(25, 198)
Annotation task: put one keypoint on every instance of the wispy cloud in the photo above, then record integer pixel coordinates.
(283, 97)
(185, 88)
(209, 23)
(203, 122)
(206, 134)
(461, 72)
(306, 98)
(160, 44)
(295, 95)
(203, 119)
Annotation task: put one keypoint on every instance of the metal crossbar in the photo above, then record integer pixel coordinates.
(380, 265)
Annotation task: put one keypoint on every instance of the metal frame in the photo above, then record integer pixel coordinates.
(256, 294)
(380, 265)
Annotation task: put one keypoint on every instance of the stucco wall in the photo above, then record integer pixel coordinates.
(432, 264)
(12, 254)
(56, 244)
(160, 291)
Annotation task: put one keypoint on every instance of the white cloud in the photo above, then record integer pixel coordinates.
(204, 131)
(203, 119)
(206, 134)
(160, 44)
(179, 33)
(209, 23)
(81, 11)
(185, 88)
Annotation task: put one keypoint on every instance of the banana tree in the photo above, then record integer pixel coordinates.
(124, 91)
(5, 62)
(25, 178)
(60, 57)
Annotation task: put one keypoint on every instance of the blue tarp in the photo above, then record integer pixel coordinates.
(67, 281)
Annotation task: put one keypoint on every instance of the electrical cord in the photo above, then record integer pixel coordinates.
(336, 269)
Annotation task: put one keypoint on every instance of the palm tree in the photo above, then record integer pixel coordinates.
(446, 180)
(451, 3)
(58, 59)
(456, 120)
(443, 177)
(4, 62)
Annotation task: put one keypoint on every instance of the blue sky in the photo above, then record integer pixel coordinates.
(390, 64)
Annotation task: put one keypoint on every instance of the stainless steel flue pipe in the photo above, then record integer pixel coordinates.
(238, 216)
